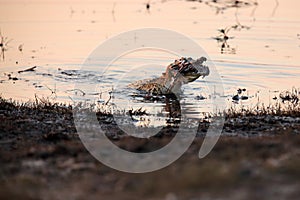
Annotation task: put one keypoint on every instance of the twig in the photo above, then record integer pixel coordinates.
(31, 69)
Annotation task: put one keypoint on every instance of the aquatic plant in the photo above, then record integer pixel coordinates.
(3, 45)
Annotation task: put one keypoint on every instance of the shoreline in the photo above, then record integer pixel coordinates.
(45, 116)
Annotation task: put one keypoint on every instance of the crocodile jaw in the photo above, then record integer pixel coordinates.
(191, 70)
(194, 76)
(198, 69)
(184, 71)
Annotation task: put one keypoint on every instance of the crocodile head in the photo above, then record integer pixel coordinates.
(183, 71)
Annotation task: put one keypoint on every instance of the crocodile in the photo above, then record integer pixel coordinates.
(178, 73)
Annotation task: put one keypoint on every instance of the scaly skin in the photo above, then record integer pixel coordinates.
(181, 71)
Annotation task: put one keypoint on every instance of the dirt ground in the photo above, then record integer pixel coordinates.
(42, 157)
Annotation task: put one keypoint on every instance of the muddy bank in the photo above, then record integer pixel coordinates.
(257, 156)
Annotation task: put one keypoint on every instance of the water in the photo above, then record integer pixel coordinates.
(261, 54)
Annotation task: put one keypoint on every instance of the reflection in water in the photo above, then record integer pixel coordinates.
(290, 96)
(221, 5)
(226, 49)
(240, 95)
(172, 107)
(222, 41)
(168, 115)
(3, 45)
(238, 26)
